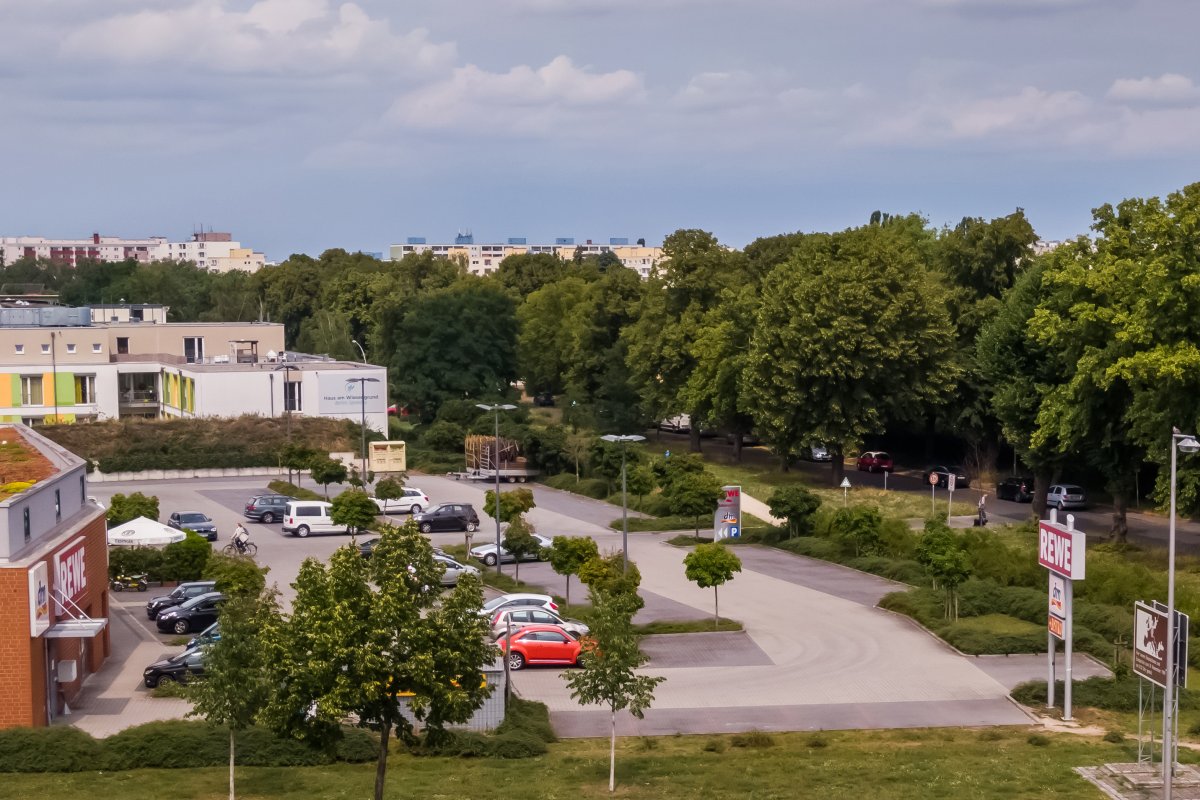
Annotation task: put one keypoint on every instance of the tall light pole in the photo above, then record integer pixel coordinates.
(362, 392)
(496, 409)
(1180, 442)
(361, 352)
(287, 407)
(624, 440)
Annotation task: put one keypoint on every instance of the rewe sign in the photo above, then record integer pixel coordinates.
(1061, 550)
(70, 574)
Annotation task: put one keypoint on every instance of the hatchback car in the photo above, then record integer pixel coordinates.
(487, 552)
(453, 570)
(194, 615)
(1066, 495)
(194, 521)
(540, 644)
(180, 594)
(961, 481)
(524, 617)
(266, 508)
(1016, 488)
(875, 461)
(518, 599)
(816, 453)
(411, 503)
(176, 668)
(448, 517)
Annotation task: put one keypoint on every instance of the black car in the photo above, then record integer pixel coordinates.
(266, 508)
(209, 635)
(194, 521)
(448, 517)
(194, 615)
(961, 481)
(1017, 489)
(181, 593)
(176, 668)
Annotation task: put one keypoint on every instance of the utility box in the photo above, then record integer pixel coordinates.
(387, 457)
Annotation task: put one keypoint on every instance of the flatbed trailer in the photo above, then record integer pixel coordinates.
(486, 456)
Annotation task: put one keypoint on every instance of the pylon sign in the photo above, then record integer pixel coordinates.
(727, 520)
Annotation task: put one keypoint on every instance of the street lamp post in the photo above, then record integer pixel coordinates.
(1180, 442)
(624, 440)
(362, 391)
(287, 407)
(361, 352)
(496, 409)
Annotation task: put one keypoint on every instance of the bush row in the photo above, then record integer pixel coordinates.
(292, 490)
(524, 733)
(215, 458)
(175, 744)
(1112, 694)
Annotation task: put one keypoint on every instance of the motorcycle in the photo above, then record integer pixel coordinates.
(141, 582)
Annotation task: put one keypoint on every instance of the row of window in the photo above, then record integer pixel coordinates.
(96, 348)
(32, 394)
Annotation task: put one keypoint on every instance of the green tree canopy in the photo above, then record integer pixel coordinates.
(795, 504)
(567, 554)
(513, 503)
(236, 576)
(693, 495)
(354, 508)
(712, 564)
(607, 575)
(325, 470)
(122, 508)
(519, 540)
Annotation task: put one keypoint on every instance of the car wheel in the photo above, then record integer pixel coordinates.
(516, 661)
(415, 508)
(302, 531)
(426, 527)
(181, 626)
(151, 682)
(1062, 506)
(490, 559)
(472, 527)
(268, 517)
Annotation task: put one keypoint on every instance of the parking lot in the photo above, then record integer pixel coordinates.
(815, 652)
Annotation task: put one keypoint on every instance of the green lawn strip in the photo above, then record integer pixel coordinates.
(674, 523)
(292, 490)
(686, 626)
(941, 764)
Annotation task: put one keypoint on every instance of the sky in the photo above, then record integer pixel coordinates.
(300, 125)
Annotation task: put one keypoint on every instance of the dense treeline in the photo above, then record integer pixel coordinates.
(1080, 360)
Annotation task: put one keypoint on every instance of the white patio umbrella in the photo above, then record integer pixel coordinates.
(143, 532)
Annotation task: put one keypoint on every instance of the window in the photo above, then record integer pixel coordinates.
(85, 389)
(82, 486)
(96, 348)
(292, 396)
(20, 349)
(193, 349)
(70, 348)
(45, 349)
(57, 505)
(25, 517)
(31, 390)
(122, 345)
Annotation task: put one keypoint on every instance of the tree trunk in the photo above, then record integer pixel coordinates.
(516, 565)
(737, 447)
(696, 522)
(1120, 525)
(716, 610)
(381, 765)
(568, 589)
(1041, 484)
(694, 438)
(232, 795)
(612, 754)
(837, 465)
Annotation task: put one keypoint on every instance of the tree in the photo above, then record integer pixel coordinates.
(568, 553)
(796, 505)
(578, 448)
(389, 489)
(640, 481)
(545, 345)
(444, 436)
(609, 662)
(363, 634)
(860, 527)
(236, 576)
(526, 273)
(513, 503)
(327, 332)
(519, 541)
(873, 317)
(325, 470)
(297, 458)
(711, 565)
(355, 509)
(185, 560)
(943, 556)
(235, 687)
(123, 508)
(693, 495)
(607, 457)
(608, 575)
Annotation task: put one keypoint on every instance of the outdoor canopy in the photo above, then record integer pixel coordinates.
(143, 532)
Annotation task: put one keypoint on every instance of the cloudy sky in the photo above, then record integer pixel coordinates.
(306, 124)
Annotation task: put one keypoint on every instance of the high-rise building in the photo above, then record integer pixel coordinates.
(209, 250)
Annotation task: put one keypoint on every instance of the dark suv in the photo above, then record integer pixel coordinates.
(448, 517)
(1018, 489)
(266, 507)
(194, 521)
(182, 592)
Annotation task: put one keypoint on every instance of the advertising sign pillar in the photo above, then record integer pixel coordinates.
(727, 520)
(1061, 551)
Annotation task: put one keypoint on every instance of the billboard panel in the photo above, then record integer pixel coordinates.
(1150, 643)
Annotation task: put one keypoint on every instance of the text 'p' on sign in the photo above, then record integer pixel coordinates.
(1061, 551)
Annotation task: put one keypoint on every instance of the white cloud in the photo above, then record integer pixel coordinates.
(1169, 88)
(523, 100)
(272, 36)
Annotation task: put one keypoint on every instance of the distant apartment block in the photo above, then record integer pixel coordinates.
(1043, 246)
(484, 258)
(209, 250)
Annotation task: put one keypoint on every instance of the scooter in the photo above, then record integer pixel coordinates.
(141, 582)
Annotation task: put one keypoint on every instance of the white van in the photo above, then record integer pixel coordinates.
(303, 517)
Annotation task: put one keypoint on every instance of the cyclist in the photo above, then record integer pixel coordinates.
(240, 537)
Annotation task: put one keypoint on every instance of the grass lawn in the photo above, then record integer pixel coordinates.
(949, 764)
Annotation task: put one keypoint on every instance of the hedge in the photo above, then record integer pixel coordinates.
(1112, 694)
(524, 733)
(175, 744)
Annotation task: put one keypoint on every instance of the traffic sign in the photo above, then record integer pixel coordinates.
(933, 479)
(950, 481)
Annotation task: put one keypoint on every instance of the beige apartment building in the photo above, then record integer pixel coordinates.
(480, 259)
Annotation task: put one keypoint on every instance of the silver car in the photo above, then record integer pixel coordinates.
(520, 617)
(1066, 495)
(454, 570)
(487, 552)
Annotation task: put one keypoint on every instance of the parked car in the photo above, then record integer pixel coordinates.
(681, 423)
(524, 617)
(411, 503)
(748, 439)
(453, 570)
(194, 615)
(176, 668)
(875, 461)
(448, 517)
(544, 400)
(1016, 488)
(366, 547)
(1066, 495)
(181, 593)
(209, 635)
(302, 517)
(518, 599)
(487, 552)
(819, 453)
(961, 481)
(194, 521)
(266, 508)
(540, 644)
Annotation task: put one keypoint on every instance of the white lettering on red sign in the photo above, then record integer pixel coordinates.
(70, 574)
(1057, 551)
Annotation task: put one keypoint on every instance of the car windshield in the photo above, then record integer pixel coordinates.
(496, 602)
(195, 601)
(193, 518)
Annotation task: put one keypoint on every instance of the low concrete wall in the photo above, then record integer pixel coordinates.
(184, 474)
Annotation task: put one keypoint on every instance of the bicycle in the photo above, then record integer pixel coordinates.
(248, 549)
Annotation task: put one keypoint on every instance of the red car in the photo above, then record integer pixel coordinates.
(875, 461)
(540, 644)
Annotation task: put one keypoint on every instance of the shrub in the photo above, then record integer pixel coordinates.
(1114, 737)
(292, 490)
(990, 735)
(444, 437)
(357, 746)
(134, 560)
(61, 748)
(714, 746)
(1110, 694)
(185, 560)
(530, 716)
(756, 739)
(192, 744)
(1038, 740)
(816, 741)
(517, 744)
